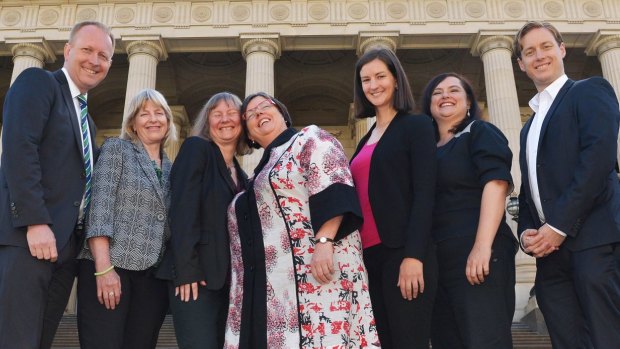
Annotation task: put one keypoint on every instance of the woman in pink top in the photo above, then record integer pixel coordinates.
(394, 173)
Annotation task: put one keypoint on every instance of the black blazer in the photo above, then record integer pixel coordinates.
(201, 189)
(578, 185)
(42, 170)
(401, 184)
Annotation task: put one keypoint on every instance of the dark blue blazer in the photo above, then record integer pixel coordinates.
(42, 170)
(578, 185)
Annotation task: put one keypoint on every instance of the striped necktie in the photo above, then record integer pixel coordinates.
(86, 149)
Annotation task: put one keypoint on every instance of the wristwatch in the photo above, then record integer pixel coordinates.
(325, 240)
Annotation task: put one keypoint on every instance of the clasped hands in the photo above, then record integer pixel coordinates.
(542, 242)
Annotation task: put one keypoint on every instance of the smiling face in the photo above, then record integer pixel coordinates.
(88, 57)
(224, 123)
(541, 57)
(150, 124)
(264, 121)
(378, 84)
(449, 101)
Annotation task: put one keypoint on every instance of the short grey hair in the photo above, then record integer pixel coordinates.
(136, 104)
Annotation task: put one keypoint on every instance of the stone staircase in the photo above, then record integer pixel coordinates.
(66, 337)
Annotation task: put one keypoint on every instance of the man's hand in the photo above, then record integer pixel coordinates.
(547, 242)
(411, 278)
(42, 242)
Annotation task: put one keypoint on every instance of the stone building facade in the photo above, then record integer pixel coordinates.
(304, 52)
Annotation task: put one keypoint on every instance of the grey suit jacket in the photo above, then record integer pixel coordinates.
(129, 205)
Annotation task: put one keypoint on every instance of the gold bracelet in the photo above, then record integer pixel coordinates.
(99, 273)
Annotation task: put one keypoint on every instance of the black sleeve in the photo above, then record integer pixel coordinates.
(423, 176)
(490, 153)
(186, 181)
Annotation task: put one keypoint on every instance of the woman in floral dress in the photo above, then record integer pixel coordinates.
(298, 279)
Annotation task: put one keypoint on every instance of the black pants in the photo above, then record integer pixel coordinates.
(200, 324)
(474, 316)
(579, 296)
(136, 320)
(33, 295)
(401, 324)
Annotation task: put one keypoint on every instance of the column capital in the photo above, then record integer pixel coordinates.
(603, 41)
(268, 43)
(486, 42)
(368, 40)
(36, 48)
(152, 46)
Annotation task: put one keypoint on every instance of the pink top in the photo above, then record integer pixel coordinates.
(360, 168)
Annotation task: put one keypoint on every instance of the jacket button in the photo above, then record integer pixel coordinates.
(160, 217)
(76, 203)
(12, 204)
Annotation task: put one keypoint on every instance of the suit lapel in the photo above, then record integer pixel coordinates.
(68, 99)
(223, 169)
(149, 171)
(554, 106)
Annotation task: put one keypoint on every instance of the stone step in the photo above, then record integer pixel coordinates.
(67, 338)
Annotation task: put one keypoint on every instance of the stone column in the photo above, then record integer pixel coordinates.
(181, 122)
(260, 53)
(503, 106)
(143, 56)
(607, 48)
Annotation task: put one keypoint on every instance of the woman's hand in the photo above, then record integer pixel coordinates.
(187, 290)
(411, 278)
(322, 264)
(478, 264)
(109, 289)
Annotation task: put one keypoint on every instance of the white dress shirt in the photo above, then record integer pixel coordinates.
(75, 92)
(540, 104)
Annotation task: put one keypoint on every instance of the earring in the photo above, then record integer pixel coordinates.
(468, 112)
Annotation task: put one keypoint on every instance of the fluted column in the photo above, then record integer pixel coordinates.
(502, 100)
(607, 48)
(503, 106)
(181, 122)
(260, 53)
(370, 40)
(143, 56)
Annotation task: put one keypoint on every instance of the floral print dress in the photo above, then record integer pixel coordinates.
(302, 181)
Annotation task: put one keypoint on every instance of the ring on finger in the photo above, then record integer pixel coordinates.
(111, 294)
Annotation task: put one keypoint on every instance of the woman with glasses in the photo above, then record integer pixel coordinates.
(394, 172)
(204, 179)
(298, 279)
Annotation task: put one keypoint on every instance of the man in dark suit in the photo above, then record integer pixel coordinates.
(569, 216)
(48, 153)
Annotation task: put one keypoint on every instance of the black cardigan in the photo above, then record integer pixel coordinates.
(401, 184)
(200, 191)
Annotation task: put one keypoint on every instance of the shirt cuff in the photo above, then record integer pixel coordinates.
(521, 240)
(556, 230)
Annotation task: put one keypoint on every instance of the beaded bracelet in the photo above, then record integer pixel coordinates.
(99, 273)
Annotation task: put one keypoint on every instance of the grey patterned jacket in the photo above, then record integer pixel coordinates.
(129, 205)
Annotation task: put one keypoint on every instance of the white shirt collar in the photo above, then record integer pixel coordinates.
(75, 91)
(551, 90)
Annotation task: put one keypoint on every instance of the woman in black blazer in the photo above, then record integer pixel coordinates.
(204, 179)
(394, 173)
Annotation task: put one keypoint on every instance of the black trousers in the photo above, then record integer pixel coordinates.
(200, 324)
(136, 320)
(401, 324)
(579, 296)
(478, 316)
(33, 295)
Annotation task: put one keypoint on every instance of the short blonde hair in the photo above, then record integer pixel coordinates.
(136, 104)
(201, 125)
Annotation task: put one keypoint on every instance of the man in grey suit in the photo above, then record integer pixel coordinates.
(48, 155)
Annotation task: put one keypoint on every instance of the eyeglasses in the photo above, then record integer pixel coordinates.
(260, 108)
